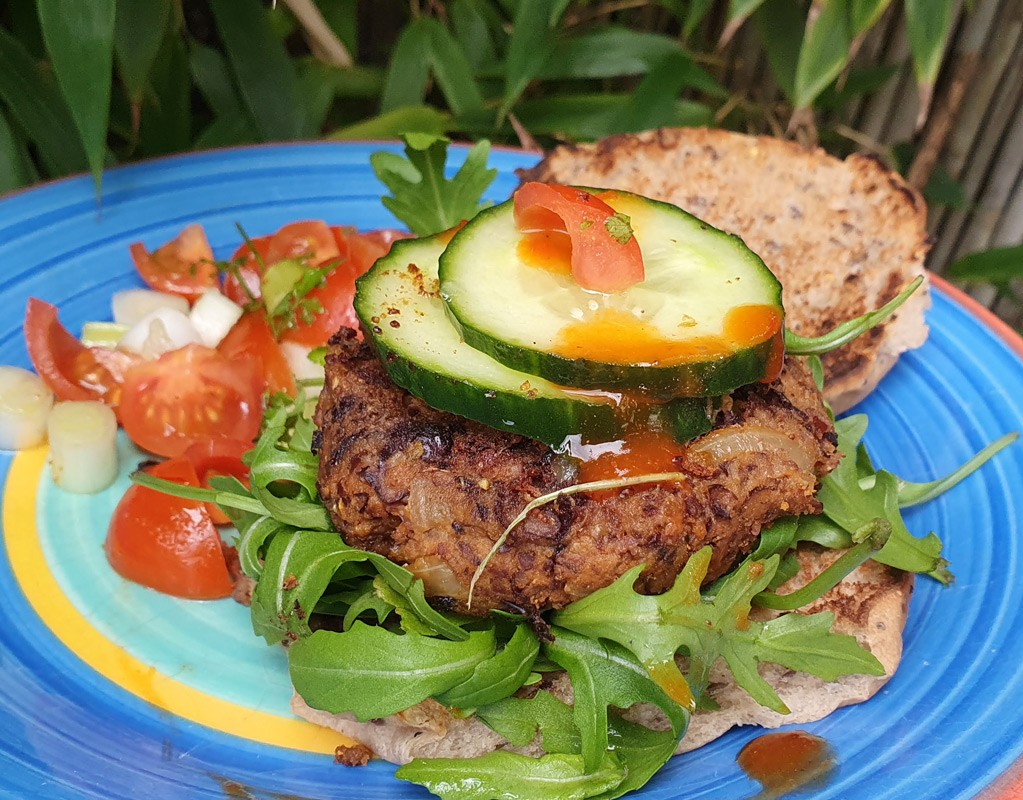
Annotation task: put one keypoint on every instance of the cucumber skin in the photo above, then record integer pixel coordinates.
(548, 420)
(697, 379)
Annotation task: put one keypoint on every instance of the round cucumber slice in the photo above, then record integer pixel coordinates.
(398, 302)
(706, 319)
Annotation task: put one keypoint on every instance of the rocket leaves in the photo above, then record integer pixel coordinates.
(706, 628)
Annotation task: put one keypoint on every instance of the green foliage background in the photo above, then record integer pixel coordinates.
(87, 84)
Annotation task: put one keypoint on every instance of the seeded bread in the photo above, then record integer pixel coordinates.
(843, 237)
(870, 604)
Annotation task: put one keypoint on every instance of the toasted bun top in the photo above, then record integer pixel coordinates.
(843, 237)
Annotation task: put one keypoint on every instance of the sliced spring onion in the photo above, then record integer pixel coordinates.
(160, 332)
(25, 403)
(131, 305)
(103, 334)
(83, 446)
(303, 368)
(213, 315)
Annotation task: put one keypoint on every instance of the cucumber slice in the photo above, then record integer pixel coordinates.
(706, 319)
(398, 302)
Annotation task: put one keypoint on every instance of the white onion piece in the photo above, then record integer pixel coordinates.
(25, 403)
(213, 315)
(438, 579)
(729, 442)
(302, 368)
(83, 446)
(131, 305)
(160, 332)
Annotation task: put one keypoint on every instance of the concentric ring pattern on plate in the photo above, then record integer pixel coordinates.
(945, 727)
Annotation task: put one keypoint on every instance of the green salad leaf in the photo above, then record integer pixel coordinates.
(499, 676)
(519, 721)
(373, 672)
(421, 196)
(557, 776)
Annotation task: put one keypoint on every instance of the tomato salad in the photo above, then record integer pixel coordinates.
(187, 369)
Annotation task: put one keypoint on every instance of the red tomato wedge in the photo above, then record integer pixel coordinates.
(365, 248)
(187, 395)
(166, 543)
(605, 256)
(335, 295)
(251, 339)
(184, 266)
(72, 370)
(242, 283)
(212, 457)
(312, 240)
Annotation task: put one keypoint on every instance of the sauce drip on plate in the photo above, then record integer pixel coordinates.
(787, 761)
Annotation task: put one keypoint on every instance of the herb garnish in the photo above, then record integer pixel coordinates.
(619, 225)
(422, 197)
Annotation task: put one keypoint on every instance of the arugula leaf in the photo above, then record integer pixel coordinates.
(499, 676)
(373, 672)
(606, 674)
(369, 601)
(519, 721)
(655, 627)
(843, 334)
(851, 506)
(422, 197)
(509, 775)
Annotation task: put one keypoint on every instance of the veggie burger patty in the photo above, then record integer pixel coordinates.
(434, 491)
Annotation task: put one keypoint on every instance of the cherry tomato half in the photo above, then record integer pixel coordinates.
(167, 543)
(212, 457)
(605, 256)
(72, 370)
(311, 240)
(190, 394)
(184, 266)
(251, 339)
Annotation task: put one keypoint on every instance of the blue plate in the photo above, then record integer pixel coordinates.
(947, 726)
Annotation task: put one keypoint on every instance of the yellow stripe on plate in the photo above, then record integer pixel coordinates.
(109, 659)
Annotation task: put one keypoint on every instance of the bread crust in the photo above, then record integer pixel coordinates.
(843, 237)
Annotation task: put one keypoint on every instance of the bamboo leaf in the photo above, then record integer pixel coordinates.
(342, 17)
(864, 14)
(738, 12)
(696, 11)
(36, 105)
(473, 29)
(531, 45)
(652, 104)
(780, 24)
(824, 53)
(1000, 264)
(928, 23)
(12, 166)
(391, 124)
(138, 32)
(453, 71)
(265, 75)
(166, 123)
(409, 70)
(22, 20)
(79, 36)
(212, 76)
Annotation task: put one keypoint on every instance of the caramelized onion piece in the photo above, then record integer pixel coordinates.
(727, 443)
(438, 579)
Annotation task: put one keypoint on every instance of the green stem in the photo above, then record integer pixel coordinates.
(843, 334)
(869, 538)
(228, 499)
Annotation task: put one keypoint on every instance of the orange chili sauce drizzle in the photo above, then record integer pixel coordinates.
(787, 761)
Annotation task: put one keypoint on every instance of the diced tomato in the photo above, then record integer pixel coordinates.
(242, 283)
(72, 370)
(605, 256)
(251, 339)
(167, 543)
(184, 266)
(365, 248)
(190, 394)
(312, 240)
(213, 457)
